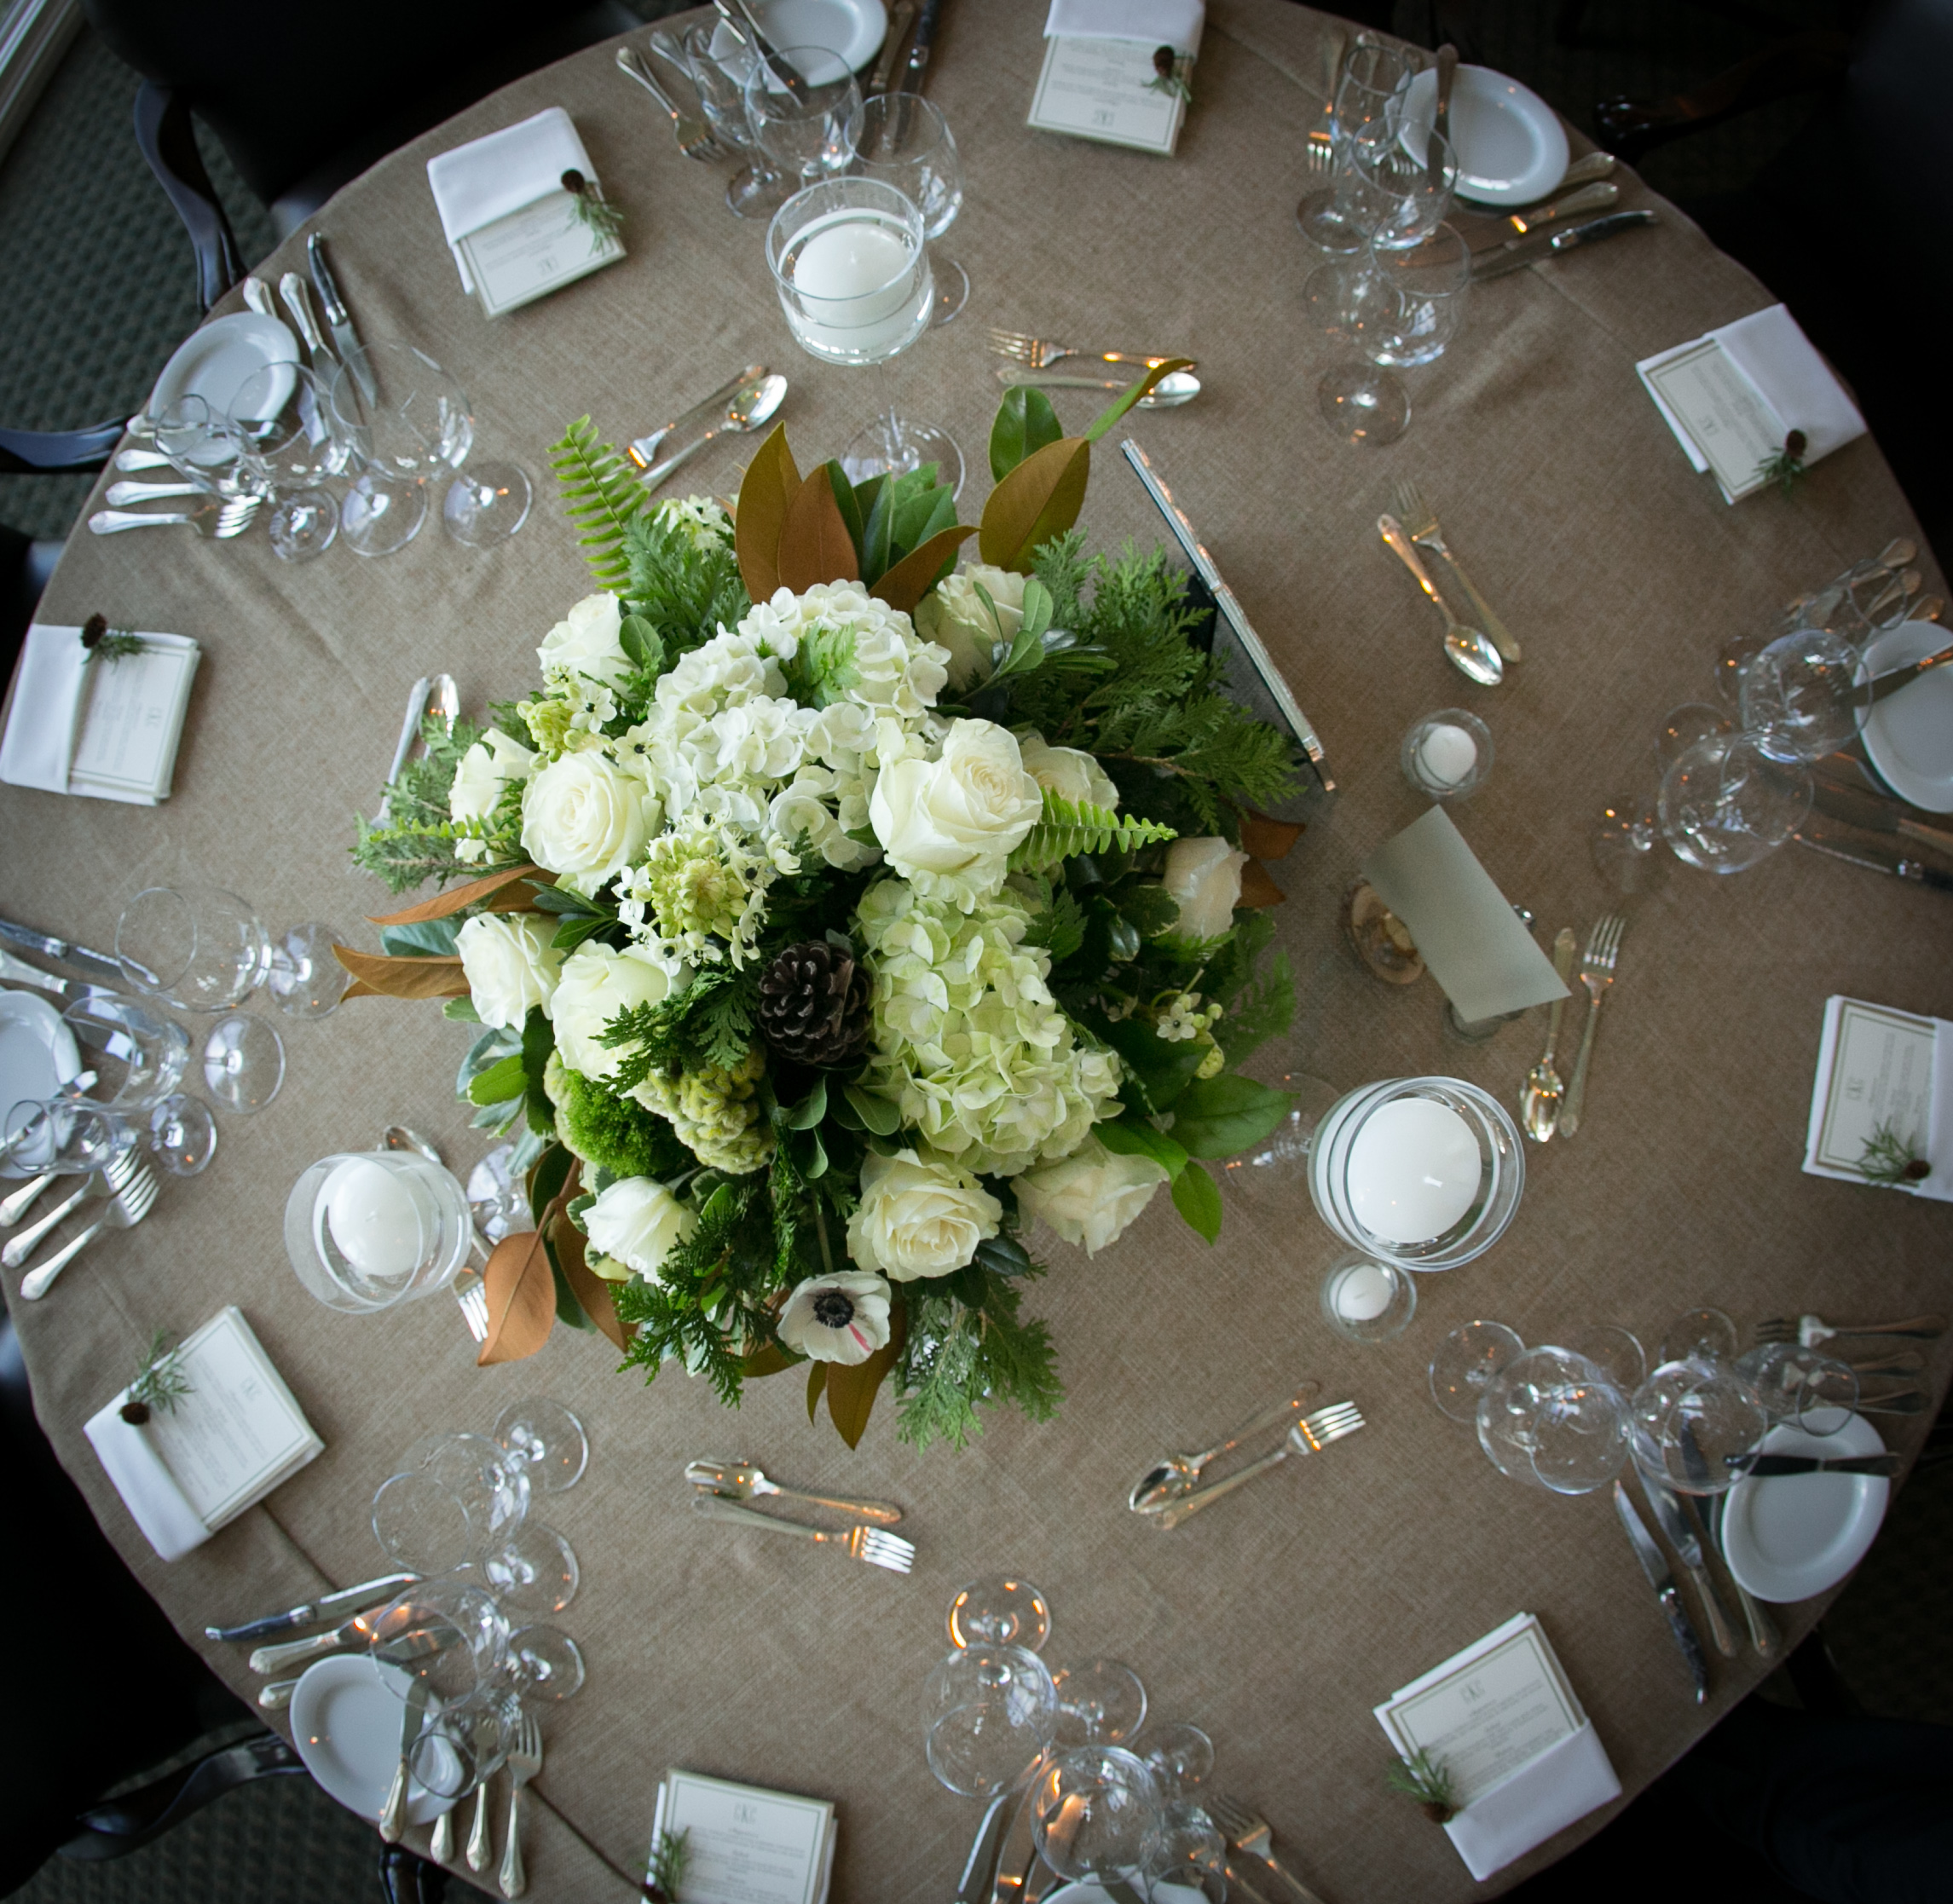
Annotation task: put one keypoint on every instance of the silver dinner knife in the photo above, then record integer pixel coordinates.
(328, 1606)
(338, 320)
(1601, 197)
(17, 972)
(64, 950)
(1666, 1591)
(1546, 245)
(1688, 1550)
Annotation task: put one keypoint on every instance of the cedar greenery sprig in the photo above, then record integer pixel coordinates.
(1786, 469)
(1890, 1159)
(669, 1856)
(160, 1384)
(1169, 70)
(603, 221)
(104, 643)
(1421, 1777)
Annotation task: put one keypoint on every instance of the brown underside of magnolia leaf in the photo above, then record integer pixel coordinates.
(382, 976)
(905, 585)
(815, 546)
(1258, 889)
(521, 1293)
(1268, 839)
(492, 886)
(770, 482)
(1040, 498)
(851, 1391)
(590, 1289)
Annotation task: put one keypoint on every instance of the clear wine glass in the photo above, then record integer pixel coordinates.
(202, 449)
(1552, 1418)
(448, 1631)
(1466, 1361)
(1101, 1702)
(999, 1609)
(544, 1663)
(138, 1057)
(1096, 1813)
(1623, 844)
(244, 1062)
(1189, 1861)
(462, 1746)
(1371, 91)
(1725, 805)
(852, 274)
(1683, 726)
(721, 66)
(544, 1440)
(306, 980)
(183, 1136)
(65, 1137)
(804, 131)
(988, 1715)
(1698, 1425)
(1802, 697)
(1396, 201)
(904, 140)
(193, 946)
(414, 425)
(1616, 1352)
(1180, 1756)
(1402, 310)
(283, 425)
(533, 1571)
(1814, 1391)
(423, 1524)
(1707, 1335)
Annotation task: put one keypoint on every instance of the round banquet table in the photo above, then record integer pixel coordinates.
(1275, 1623)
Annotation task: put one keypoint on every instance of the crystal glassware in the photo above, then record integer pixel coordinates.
(1616, 1351)
(999, 1609)
(1466, 1361)
(543, 1663)
(544, 1440)
(68, 1137)
(462, 1746)
(1402, 308)
(1551, 1418)
(804, 131)
(721, 67)
(183, 1136)
(1446, 755)
(204, 449)
(1096, 1813)
(1370, 92)
(423, 1524)
(487, 502)
(244, 1062)
(1802, 697)
(1189, 1861)
(1101, 1702)
(496, 1489)
(1395, 200)
(447, 1631)
(415, 424)
(138, 1057)
(904, 140)
(1623, 842)
(1804, 1386)
(1698, 1425)
(1725, 805)
(1180, 1756)
(366, 1230)
(1683, 726)
(193, 946)
(988, 1715)
(283, 426)
(1367, 1300)
(1707, 1335)
(533, 1571)
(305, 980)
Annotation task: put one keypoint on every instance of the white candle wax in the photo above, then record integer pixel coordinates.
(1414, 1170)
(855, 274)
(373, 1217)
(1448, 755)
(1364, 1292)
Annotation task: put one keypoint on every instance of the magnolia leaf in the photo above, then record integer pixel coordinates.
(917, 573)
(1026, 422)
(1040, 498)
(473, 894)
(851, 1390)
(770, 1358)
(521, 1290)
(379, 977)
(1268, 838)
(815, 545)
(848, 502)
(1197, 1198)
(592, 1293)
(1218, 1116)
(769, 485)
(427, 938)
(546, 1181)
(875, 499)
(1258, 888)
(817, 1386)
(1125, 401)
(1002, 1255)
(1132, 1136)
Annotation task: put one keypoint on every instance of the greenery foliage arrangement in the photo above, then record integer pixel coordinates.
(831, 914)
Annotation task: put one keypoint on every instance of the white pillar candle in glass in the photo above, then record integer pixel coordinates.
(1447, 753)
(366, 1230)
(1363, 1292)
(1414, 1169)
(373, 1217)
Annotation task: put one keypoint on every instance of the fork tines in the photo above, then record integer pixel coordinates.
(1604, 946)
(1013, 343)
(1776, 1329)
(1329, 1424)
(882, 1549)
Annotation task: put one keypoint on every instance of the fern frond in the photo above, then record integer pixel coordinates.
(602, 496)
(1072, 827)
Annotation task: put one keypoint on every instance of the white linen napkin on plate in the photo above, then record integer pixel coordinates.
(501, 172)
(39, 743)
(149, 1490)
(1545, 1795)
(1174, 23)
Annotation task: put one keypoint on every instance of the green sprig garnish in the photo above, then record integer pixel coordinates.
(669, 1857)
(603, 221)
(1890, 1159)
(101, 642)
(1425, 1778)
(1786, 468)
(160, 1384)
(1170, 75)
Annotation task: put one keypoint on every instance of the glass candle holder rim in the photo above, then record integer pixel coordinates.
(783, 229)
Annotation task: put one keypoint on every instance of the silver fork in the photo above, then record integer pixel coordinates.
(216, 521)
(1597, 973)
(1309, 1436)
(1247, 1831)
(124, 1211)
(1813, 1331)
(1319, 152)
(113, 1177)
(1038, 352)
(1420, 524)
(523, 1762)
(694, 136)
(870, 1544)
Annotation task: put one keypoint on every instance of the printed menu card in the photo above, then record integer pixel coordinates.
(1881, 1076)
(744, 1845)
(1100, 80)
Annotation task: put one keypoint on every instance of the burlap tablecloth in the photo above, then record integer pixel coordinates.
(1277, 1622)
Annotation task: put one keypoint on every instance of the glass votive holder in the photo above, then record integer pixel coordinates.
(366, 1230)
(1448, 755)
(1367, 1299)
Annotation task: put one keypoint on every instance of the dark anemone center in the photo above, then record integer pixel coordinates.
(833, 1309)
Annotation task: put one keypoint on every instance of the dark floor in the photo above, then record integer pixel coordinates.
(98, 291)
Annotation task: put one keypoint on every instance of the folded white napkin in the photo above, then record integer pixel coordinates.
(489, 177)
(1545, 1795)
(1174, 23)
(39, 742)
(149, 1490)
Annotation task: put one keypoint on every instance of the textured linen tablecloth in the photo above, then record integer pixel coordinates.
(1277, 1621)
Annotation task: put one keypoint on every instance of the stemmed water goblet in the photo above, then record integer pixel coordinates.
(1698, 1425)
(1553, 1419)
(1370, 92)
(534, 1569)
(1724, 804)
(1000, 1610)
(205, 451)
(1802, 697)
(139, 1059)
(1802, 1386)
(989, 1713)
(446, 1630)
(1466, 1361)
(543, 1664)
(904, 140)
(63, 1137)
(1096, 1813)
(721, 64)
(283, 427)
(542, 1439)
(1101, 1702)
(1402, 309)
(803, 130)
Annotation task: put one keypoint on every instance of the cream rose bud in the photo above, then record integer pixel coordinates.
(1091, 1197)
(837, 1318)
(1071, 773)
(584, 819)
(636, 1224)
(598, 985)
(586, 642)
(483, 772)
(510, 966)
(1203, 875)
(918, 1218)
(953, 615)
(962, 813)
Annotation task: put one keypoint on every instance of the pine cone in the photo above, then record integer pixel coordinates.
(813, 1004)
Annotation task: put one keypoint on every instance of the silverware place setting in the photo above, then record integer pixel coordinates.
(1811, 1331)
(1596, 966)
(1177, 388)
(732, 1480)
(1420, 524)
(128, 1204)
(749, 402)
(1174, 1476)
(1041, 352)
(1309, 1436)
(215, 521)
(869, 1544)
(1469, 650)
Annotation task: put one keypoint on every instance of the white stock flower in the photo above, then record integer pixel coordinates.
(1203, 876)
(480, 776)
(510, 966)
(837, 1318)
(597, 985)
(954, 616)
(1071, 773)
(1091, 1197)
(634, 1224)
(918, 1217)
(585, 819)
(702, 522)
(950, 824)
(585, 642)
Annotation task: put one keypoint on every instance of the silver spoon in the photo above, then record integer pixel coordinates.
(1545, 1090)
(1178, 387)
(444, 700)
(752, 406)
(1470, 652)
(1174, 1475)
(740, 1481)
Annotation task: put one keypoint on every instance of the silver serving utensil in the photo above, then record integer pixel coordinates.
(481, 1832)
(900, 16)
(1597, 973)
(68, 953)
(17, 972)
(409, 733)
(1598, 196)
(1310, 1435)
(731, 1478)
(1171, 391)
(334, 305)
(980, 1867)
(1539, 1102)
(1421, 525)
(1667, 1593)
(214, 521)
(257, 295)
(751, 408)
(1522, 252)
(740, 17)
(119, 495)
(1583, 171)
(870, 1544)
(1469, 651)
(356, 1635)
(275, 1694)
(1041, 352)
(642, 450)
(125, 1210)
(1764, 1637)
(694, 135)
(1174, 1476)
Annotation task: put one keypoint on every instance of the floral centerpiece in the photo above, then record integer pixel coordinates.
(831, 917)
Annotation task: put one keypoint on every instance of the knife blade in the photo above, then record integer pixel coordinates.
(643, 450)
(1018, 1856)
(1689, 1551)
(19, 973)
(327, 1606)
(1666, 1591)
(337, 319)
(899, 15)
(922, 46)
(980, 1867)
(66, 951)
(1545, 245)
(1860, 807)
(393, 1813)
(1769, 1465)
(358, 1634)
(1876, 862)
(1489, 232)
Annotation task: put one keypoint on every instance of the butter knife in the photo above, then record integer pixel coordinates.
(1689, 1551)
(1763, 1634)
(1858, 808)
(337, 319)
(327, 1606)
(17, 972)
(1546, 245)
(899, 16)
(65, 951)
(1768, 1465)
(916, 71)
(980, 1868)
(1484, 234)
(1018, 1857)
(1666, 1591)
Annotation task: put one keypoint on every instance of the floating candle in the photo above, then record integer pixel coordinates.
(1448, 755)
(1414, 1170)
(372, 1218)
(1364, 1292)
(854, 275)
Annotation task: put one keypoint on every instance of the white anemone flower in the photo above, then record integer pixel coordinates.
(837, 1318)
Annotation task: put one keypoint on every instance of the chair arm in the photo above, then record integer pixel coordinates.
(119, 1825)
(57, 451)
(164, 131)
(1808, 62)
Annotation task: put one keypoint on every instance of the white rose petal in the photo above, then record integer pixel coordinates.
(953, 615)
(950, 824)
(585, 819)
(1071, 773)
(918, 1218)
(635, 1224)
(597, 986)
(585, 642)
(837, 1318)
(1205, 876)
(1091, 1197)
(510, 966)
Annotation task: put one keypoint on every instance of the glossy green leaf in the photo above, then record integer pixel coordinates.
(1198, 1199)
(1120, 404)
(1217, 1117)
(1131, 1135)
(1025, 421)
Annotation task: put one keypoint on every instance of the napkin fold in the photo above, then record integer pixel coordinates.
(1174, 23)
(1526, 1808)
(489, 177)
(149, 1490)
(38, 745)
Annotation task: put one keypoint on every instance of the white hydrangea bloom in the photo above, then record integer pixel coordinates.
(701, 520)
(850, 647)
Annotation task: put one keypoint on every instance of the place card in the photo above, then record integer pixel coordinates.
(1502, 1720)
(533, 252)
(1099, 80)
(744, 1845)
(1881, 1069)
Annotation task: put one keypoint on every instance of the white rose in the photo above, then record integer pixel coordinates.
(950, 824)
(1205, 876)
(479, 777)
(1071, 773)
(585, 819)
(837, 1318)
(953, 615)
(585, 642)
(918, 1219)
(509, 964)
(1092, 1196)
(597, 986)
(636, 1224)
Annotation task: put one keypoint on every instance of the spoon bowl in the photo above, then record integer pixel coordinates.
(1545, 1090)
(1473, 655)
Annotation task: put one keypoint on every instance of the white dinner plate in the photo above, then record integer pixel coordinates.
(1910, 735)
(1794, 1535)
(852, 28)
(346, 1722)
(37, 1053)
(1511, 148)
(213, 363)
